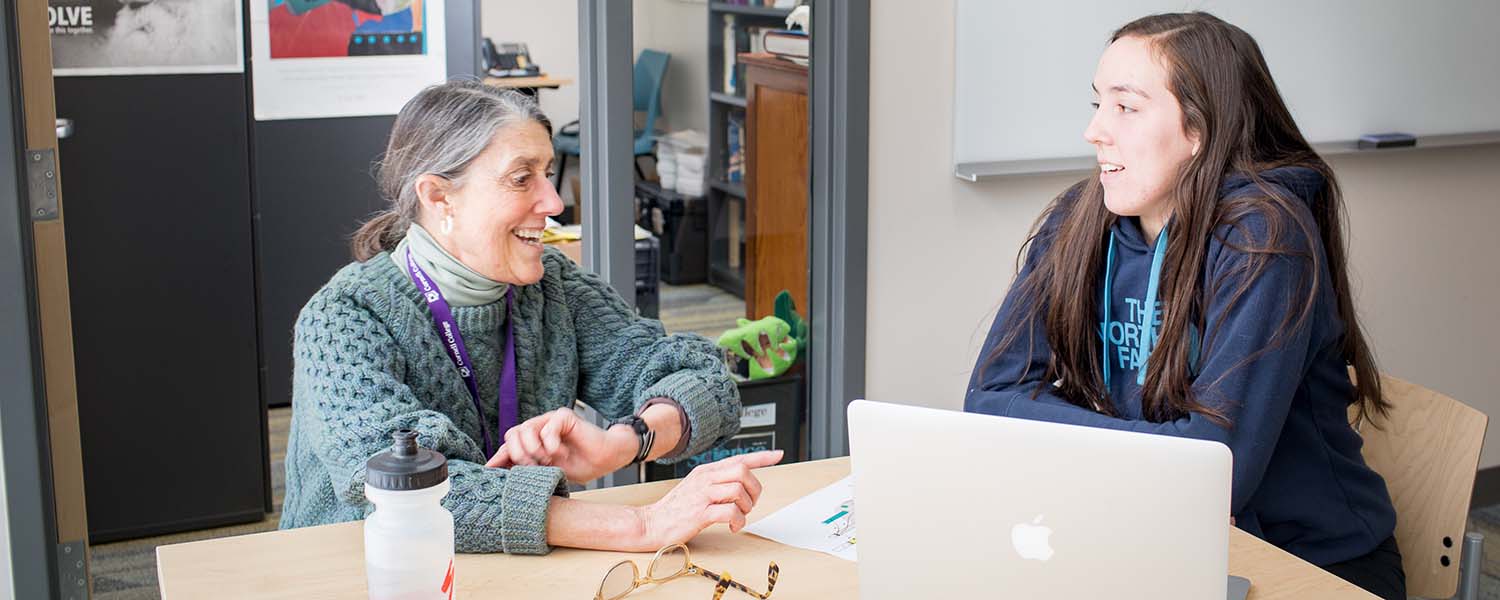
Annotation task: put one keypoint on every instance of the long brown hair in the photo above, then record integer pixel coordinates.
(439, 131)
(1228, 98)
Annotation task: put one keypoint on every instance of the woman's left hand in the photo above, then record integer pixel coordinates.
(561, 439)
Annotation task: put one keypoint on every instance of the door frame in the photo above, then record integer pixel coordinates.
(45, 546)
(839, 218)
(606, 127)
(838, 209)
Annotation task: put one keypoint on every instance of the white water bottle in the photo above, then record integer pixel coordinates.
(409, 537)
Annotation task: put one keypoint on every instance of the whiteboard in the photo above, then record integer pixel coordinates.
(1345, 67)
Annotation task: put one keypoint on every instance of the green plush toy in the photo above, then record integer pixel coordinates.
(771, 345)
(766, 344)
(786, 310)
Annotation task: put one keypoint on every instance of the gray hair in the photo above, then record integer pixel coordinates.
(439, 132)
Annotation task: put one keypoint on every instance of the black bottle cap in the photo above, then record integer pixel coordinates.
(406, 466)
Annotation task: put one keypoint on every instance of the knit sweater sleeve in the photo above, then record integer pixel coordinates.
(350, 374)
(624, 360)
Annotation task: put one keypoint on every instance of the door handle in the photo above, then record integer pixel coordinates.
(64, 128)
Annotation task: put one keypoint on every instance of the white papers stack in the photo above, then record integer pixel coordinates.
(681, 158)
(666, 165)
(690, 173)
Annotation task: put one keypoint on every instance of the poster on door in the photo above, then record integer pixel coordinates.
(343, 58)
(145, 37)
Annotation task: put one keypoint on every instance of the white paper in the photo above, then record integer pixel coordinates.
(308, 82)
(822, 521)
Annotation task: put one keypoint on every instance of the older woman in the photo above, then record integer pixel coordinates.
(457, 323)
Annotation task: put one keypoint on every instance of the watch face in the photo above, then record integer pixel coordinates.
(636, 423)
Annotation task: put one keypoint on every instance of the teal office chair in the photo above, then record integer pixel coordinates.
(650, 69)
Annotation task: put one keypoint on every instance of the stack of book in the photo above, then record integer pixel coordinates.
(790, 44)
(769, 3)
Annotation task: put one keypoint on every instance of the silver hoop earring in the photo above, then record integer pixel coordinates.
(447, 224)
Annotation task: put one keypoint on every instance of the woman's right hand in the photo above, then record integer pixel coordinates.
(713, 493)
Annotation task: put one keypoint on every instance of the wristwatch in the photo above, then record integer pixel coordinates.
(642, 431)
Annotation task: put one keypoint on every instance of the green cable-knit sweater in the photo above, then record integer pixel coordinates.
(368, 362)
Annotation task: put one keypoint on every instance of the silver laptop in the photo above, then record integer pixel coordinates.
(958, 505)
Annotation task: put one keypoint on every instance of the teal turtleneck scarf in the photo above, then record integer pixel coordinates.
(461, 285)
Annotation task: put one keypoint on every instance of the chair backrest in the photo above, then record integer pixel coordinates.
(650, 69)
(1427, 449)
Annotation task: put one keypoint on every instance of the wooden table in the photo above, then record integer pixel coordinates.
(528, 84)
(328, 561)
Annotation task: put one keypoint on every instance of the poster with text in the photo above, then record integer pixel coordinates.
(145, 37)
(343, 58)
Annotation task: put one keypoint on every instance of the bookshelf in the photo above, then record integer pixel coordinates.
(726, 199)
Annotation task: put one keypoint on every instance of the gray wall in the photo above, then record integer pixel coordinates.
(549, 28)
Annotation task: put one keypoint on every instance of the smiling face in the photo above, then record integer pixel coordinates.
(500, 206)
(1137, 130)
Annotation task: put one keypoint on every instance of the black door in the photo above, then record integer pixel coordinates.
(160, 264)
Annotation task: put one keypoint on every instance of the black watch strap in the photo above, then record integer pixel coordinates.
(643, 433)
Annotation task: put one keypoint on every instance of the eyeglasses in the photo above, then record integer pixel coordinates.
(668, 564)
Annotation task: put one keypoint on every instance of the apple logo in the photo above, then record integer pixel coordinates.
(1031, 540)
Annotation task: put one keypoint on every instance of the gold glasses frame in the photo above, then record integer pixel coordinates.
(723, 582)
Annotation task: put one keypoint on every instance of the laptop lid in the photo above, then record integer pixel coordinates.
(958, 505)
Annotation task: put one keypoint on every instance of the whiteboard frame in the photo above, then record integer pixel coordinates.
(975, 171)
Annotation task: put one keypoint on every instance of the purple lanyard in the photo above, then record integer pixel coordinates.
(453, 342)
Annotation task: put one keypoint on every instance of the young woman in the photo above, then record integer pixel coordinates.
(1195, 285)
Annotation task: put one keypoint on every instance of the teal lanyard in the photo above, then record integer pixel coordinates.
(1147, 329)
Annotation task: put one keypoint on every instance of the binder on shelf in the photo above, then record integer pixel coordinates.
(735, 141)
(729, 55)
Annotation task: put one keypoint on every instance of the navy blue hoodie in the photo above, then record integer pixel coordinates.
(1299, 479)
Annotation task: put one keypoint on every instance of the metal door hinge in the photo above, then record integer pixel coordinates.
(41, 177)
(72, 571)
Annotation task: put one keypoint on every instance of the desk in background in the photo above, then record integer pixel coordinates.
(328, 561)
(528, 85)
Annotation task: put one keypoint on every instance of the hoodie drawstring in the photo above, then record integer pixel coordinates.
(1148, 329)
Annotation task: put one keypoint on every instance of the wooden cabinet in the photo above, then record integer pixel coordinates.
(776, 182)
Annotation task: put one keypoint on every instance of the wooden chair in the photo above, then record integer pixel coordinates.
(1427, 449)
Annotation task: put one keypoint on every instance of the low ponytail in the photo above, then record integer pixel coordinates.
(379, 234)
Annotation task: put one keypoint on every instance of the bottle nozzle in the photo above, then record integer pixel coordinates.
(405, 443)
(406, 466)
